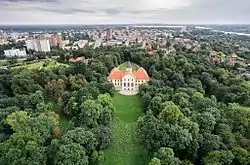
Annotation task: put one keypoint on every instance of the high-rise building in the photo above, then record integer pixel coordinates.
(44, 45)
(59, 40)
(41, 45)
(1, 34)
(109, 33)
(31, 44)
(55, 40)
(98, 43)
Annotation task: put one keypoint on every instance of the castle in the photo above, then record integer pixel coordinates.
(128, 80)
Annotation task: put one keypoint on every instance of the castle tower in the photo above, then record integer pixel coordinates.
(129, 67)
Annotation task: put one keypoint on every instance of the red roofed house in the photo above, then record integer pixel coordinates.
(152, 52)
(213, 52)
(77, 59)
(128, 80)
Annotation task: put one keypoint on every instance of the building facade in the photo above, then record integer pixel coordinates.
(15, 53)
(38, 45)
(128, 80)
(44, 45)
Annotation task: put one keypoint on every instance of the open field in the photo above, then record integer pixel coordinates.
(64, 122)
(125, 149)
(49, 64)
(5, 62)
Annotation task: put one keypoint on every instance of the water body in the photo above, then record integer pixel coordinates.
(234, 33)
(220, 31)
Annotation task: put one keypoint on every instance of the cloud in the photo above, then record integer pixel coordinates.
(29, 0)
(124, 11)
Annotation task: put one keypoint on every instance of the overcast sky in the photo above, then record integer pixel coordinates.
(124, 11)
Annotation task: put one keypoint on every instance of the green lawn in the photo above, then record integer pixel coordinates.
(3, 62)
(123, 66)
(64, 122)
(39, 65)
(125, 149)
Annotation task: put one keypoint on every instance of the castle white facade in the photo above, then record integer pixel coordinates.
(128, 80)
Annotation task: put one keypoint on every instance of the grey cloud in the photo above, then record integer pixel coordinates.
(29, 1)
(60, 11)
(204, 11)
(112, 11)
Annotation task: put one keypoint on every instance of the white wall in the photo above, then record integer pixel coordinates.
(15, 52)
(38, 45)
(45, 47)
(128, 83)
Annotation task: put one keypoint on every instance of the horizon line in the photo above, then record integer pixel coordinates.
(80, 24)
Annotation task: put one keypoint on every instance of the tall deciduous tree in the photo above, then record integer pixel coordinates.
(71, 154)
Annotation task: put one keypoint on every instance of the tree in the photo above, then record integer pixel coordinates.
(171, 113)
(219, 157)
(23, 83)
(106, 101)
(155, 105)
(71, 154)
(239, 116)
(228, 138)
(18, 120)
(25, 146)
(146, 100)
(210, 142)
(151, 132)
(81, 136)
(155, 161)
(206, 121)
(166, 157)
(27, 152)
(90, 113)
(103, 136)
(241, 156)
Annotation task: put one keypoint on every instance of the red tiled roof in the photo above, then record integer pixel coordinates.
(117, 74)
(128, 73)
(214, 52)
(216, 59)
(80, 58)
(72, 60)
(141, 74)
(77, 59)
(152, 52)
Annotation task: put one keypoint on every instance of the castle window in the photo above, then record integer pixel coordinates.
(132, 85)
(128, 84)
(124, 84)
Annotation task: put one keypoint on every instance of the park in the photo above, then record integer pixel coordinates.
(125, 149)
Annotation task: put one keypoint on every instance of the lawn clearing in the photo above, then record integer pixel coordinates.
(64, 122)
(3, 62)
(123, 66)
(125, 149)
(39, 65)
